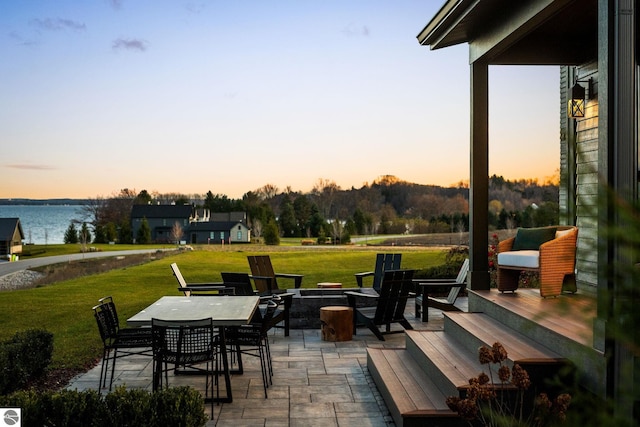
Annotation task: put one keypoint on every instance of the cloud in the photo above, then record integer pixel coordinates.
(195, 8)
(116, 4)
(129, 44)
(58, 24)
(353, 30)
(29, 167)
(20, 40)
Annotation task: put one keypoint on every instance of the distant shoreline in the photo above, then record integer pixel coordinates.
(43, 202)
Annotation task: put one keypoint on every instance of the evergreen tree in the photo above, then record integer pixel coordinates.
(124, 234)
(221, 203)
(271, 234)
(360, 221)
(71, 235)
(502, 219)
(287, 219)
(143, 198)
(317, 223)
(547, 214)
(349, 227)
(302, 209)
(258, 211)
(143, 236)
(111, 232)
(100, 236)
(85, 234)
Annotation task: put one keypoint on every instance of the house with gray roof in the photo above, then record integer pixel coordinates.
(198, 225)
(161, 220)
(219, 232)
(11, 236)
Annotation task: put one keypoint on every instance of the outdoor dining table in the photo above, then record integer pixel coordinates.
(225, 311)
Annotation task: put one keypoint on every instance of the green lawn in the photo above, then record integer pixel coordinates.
(65, 307)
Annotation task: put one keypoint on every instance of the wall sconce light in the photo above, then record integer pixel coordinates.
(577, 102)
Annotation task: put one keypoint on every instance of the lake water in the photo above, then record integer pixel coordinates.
(43, 224)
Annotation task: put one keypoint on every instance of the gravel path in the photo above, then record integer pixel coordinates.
(19, 280)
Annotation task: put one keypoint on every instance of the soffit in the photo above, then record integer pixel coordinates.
(561, 32)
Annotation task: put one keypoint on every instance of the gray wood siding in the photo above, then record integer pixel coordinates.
(587, 182)
(565, 196)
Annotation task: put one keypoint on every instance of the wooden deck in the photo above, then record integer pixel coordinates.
(569, 315)
(545, 336)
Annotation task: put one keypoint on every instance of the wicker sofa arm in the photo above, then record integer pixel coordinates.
(557, 260)
(506, 245)
(560, 252)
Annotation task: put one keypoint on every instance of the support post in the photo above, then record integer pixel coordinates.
(479, 186)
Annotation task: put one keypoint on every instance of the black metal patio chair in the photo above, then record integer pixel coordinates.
(117, 342)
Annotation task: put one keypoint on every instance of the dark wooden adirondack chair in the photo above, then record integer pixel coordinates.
(384, 262)
(425, 286)
(395, 289)
(265, 278)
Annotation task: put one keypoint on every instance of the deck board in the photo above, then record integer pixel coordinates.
(412, 397)
(570, 315)
(450, 357)
(520, 349)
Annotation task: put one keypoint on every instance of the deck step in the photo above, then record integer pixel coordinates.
(411, 396)
(477, 329)
(443, 359)
(450, 357)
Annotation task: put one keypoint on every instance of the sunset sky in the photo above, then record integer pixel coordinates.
(227, 96)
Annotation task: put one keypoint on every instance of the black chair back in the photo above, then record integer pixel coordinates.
(107, 323)
(241, 282)
(183, 343)
(395, 289)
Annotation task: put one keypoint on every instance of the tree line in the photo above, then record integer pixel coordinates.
(388, 205)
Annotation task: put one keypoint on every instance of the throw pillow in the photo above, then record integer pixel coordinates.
(561, 233)
(531, 238)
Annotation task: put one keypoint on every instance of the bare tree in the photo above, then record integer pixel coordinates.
(92, 212)
(176, 233)
(460, 228)
(267, 191)
(256, 228)
(84, 237)
(336, 229)
(325, 190)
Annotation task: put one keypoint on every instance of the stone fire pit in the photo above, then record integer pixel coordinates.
(305, 308)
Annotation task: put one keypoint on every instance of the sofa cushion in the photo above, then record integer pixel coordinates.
(532, 238)
(524, 259)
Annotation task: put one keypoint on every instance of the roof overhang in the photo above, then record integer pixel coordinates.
(523, 32)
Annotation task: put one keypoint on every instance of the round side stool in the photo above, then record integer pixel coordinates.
(336, 323)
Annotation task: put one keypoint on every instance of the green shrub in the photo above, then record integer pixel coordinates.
(128, 407)
(37, 348)
(33, 412)
(456, 256)
(24, 357)
(72, 408)
(178, 406)
(450, 269)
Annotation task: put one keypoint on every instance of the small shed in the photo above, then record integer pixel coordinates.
(11, 236)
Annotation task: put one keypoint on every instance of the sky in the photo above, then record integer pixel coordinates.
(187, 97)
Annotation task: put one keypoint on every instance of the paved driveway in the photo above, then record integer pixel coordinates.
(25, 264)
